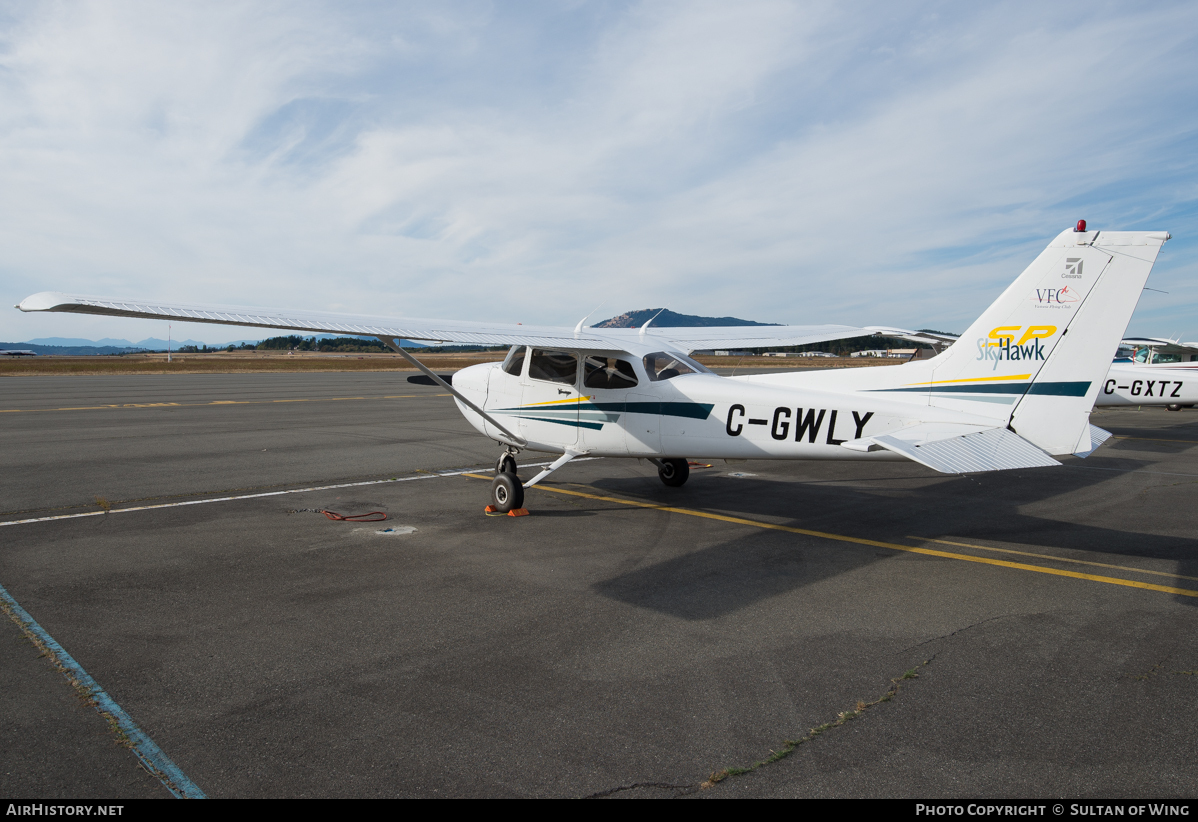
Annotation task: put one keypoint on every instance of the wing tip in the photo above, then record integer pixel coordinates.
(44, 301)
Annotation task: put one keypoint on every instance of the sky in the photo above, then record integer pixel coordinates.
(858, 163)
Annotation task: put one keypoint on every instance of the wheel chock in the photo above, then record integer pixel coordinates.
(492, 511)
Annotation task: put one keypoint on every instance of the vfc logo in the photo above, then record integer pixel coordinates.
(1056, 296)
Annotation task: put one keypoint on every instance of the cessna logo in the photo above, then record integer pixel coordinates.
(1073, 268)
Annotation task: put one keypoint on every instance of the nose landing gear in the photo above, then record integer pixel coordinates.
(507, 494)
(506, 464)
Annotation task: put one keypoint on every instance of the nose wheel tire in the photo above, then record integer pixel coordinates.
(674, 472)
(506, 493)
(506, 465)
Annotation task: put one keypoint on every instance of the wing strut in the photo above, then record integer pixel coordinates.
(387, 341)
(556, 464)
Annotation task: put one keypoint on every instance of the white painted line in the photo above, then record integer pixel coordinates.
(265, 494)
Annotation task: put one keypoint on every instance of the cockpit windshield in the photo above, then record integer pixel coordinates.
(665, 365)
(514, 363)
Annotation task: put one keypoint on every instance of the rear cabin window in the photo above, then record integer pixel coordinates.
(553, 366)
(663, 365)
(608, 372)
(514, 364)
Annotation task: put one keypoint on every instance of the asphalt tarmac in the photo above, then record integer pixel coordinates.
(903, 633)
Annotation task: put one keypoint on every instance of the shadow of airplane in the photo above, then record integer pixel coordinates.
(893, 502)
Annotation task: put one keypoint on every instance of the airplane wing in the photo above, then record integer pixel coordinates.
(450, 331)
(1150, 341)
(933, 338)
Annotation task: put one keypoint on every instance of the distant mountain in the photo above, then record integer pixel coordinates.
(76, 342)
(150, 343)
(72, 347)
(69, 350)
(668, 319)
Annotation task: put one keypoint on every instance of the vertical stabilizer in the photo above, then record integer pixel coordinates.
(1054, 413)
(1034, 360)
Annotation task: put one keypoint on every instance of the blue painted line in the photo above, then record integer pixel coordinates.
(151, 756)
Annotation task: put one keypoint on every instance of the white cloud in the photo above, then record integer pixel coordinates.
(774, 161)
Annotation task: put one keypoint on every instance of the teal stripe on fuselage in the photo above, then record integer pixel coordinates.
(1060, 389)
(1055, 389)
(689, 410)
(593, 426)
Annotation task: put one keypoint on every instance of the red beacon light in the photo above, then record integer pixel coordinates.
(1081, 225)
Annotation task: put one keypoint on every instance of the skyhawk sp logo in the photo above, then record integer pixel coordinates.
(1000, 345)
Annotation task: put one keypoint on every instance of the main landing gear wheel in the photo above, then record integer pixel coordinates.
(506, 464)
(673, 472)
(507, 493)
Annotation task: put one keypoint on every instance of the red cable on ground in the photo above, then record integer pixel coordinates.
(373, 516)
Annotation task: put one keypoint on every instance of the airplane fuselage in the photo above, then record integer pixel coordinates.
(1143, 384)
(695, 415)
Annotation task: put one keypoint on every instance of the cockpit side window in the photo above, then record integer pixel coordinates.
(1142, 355)
(514, 364)
(665, 365)
(607, 372)
(553, 366)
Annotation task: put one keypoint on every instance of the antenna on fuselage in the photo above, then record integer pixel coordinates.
(651, 319)
(578, 328)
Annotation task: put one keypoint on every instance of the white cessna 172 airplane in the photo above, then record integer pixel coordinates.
(1154, 372)
(1019, 396)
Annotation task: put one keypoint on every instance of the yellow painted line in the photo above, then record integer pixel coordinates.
(1150, 439)
(214, 402)
(1059, 559)
(1148, 586)
(974, 379)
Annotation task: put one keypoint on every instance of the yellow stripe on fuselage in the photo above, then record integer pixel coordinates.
(974, 379)
(556, 402)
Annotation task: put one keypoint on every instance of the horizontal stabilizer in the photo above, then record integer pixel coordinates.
(1097, 436)
(994, 449)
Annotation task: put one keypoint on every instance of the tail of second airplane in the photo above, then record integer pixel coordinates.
(1039, 353)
